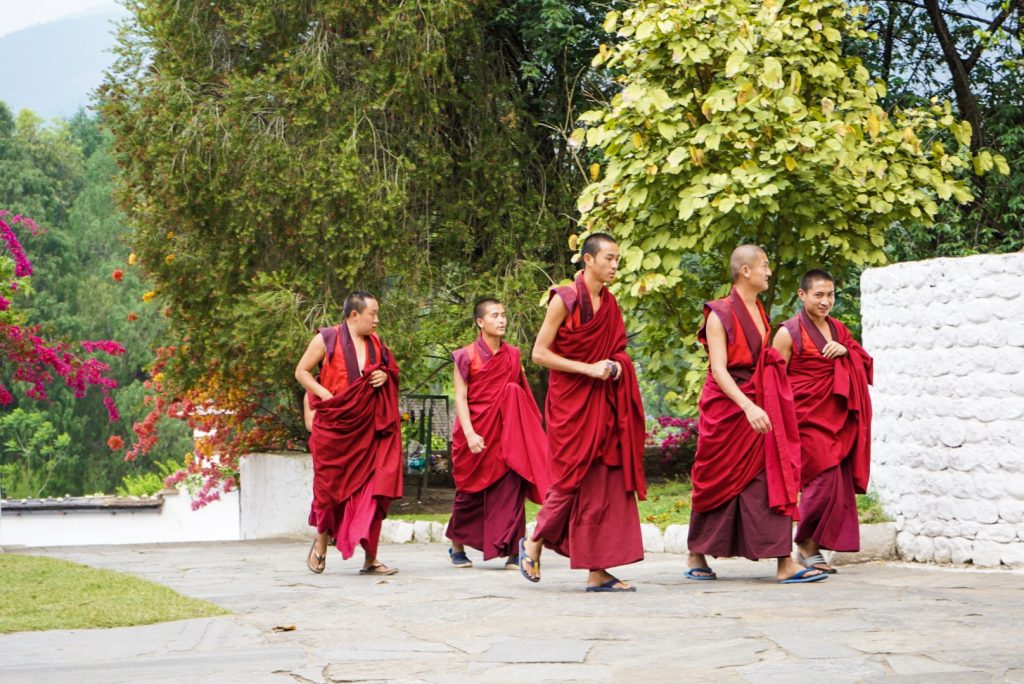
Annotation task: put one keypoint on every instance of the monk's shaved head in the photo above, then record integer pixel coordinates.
(744, 255)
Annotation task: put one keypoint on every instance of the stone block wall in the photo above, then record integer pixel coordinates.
(947, 336)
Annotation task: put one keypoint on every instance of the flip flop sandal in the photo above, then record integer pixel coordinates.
(534, 564)
(802, 577)
(321, 561)
(692, 574)
(816, 559)
(609, 586)
(379, 569)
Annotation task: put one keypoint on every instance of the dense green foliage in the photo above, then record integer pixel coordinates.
(742, 122)
(62, 175)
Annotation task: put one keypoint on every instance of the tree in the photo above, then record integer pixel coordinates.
(742, 122)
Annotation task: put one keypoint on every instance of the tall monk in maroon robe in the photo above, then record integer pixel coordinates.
(595, 426)
(746, 472)
(829, 373)
(499, 449)
(356, 437)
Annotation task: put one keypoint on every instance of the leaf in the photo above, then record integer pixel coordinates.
(771, 75)
(874, 125)
(651, 261)
(595, 171)
(790, 163)
(1001, 166)
(645, 30)
(611, 21)
(735, 64)
(827, 106)
(676, 156)
(638, 140)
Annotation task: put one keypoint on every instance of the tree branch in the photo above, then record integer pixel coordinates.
(980, 47)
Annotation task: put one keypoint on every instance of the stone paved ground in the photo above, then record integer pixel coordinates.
(432, 623)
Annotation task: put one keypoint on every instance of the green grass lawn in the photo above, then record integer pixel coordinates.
(668, 503)
(39, 593)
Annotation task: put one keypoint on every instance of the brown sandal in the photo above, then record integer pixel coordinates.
(378, 569)
(321, 561)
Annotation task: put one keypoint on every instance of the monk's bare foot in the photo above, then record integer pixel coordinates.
(698, 565)
(789, 568)
(317, 559)
(372, 566)
(604, 581)
(809, 555)
(529, 560)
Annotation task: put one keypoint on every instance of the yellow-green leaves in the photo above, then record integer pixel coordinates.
(771, 74)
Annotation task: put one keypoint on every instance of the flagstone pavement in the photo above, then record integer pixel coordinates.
(875, 622)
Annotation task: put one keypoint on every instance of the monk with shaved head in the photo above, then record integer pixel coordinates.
(746, 473)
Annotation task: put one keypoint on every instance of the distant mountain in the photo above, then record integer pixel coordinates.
(53, 68)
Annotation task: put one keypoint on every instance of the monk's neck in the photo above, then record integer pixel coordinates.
(492, 341)
(356, 337)
(594, 286)
(746, 294)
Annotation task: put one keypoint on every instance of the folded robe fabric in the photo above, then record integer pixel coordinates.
(503, 412)
(833, 404)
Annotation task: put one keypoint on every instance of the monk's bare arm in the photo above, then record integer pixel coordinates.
(718, 357)
(784, 344)
(474, 441)
(314, 354)
(543, 356)
(307, 412)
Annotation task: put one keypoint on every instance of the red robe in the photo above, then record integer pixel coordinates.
(833, 406)
(503, 411)
(596, 435)
(730, 454)
(356, 444)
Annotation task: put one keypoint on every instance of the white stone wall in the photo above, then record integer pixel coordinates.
(947, 336)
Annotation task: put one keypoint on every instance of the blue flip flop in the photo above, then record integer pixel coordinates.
(610, 586)
(534, 564)
(801, 577)
(690, 574)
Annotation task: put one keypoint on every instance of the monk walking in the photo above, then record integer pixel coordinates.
(747, 468)
(829, 373)
(595, 425)
(356, 434)
(499, 449)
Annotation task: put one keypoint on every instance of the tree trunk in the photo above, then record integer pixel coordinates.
(965, 100)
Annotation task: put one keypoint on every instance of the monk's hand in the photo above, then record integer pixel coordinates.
(757, 418)
(323, 394)
(599, 371)
(378, 378)
(475, 443)
(833, 350)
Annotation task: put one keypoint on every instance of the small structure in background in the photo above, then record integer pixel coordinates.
(427, 429)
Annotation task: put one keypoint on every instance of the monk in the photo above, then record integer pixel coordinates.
(829, 373)
(499, 449)
(356, 434)
(747, 467)
(595, 425)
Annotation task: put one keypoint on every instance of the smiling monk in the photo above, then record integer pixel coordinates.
(747, 467)
(829, 373)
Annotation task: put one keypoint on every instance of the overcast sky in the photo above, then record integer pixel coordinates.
(18, 14)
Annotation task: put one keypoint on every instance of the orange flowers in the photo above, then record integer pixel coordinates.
(117, 275)
(148, 296)
(132, 317)
(115, 443)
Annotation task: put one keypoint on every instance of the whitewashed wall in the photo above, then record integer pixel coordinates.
(175, 521)
(947, 336)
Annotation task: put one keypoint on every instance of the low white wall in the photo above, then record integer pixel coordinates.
(277, 490)
(947, 336)
(175, 521)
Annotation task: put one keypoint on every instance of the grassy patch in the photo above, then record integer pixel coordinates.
(46, 593)
(668, 503)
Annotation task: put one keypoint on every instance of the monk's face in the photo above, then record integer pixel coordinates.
(365, 322)
(493, 321)
(758, 272)
(819, 298)
(604, 264)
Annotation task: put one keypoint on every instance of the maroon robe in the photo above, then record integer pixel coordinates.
(745, 483)
(356, 444)
(596, 435)
(488, 513)
(833, 409)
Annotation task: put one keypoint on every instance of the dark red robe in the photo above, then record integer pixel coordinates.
(745, 484)
(596, 435)
(833, 409)
(356, 444)
(488, 512)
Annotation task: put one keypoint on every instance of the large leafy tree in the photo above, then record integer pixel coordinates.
(743, 121)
